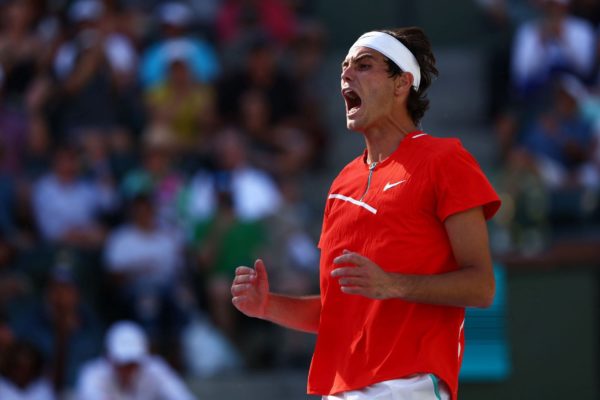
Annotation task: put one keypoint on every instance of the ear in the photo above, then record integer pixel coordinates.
(403, 83)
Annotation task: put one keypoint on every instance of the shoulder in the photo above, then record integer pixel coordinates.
(252, 178)
(433, 148)
(122, 232)
(251, 173)
(156, 366)
(94, 377)
(579, 26)
(442, 156)
(527, 30)
(45, 182)
(41, 388)
(98, 368)
(201, 177)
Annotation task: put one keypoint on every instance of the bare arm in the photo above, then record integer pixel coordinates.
(250, 291)
(470, 286)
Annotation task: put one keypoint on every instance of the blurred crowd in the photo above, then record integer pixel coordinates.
(147, 148)
(543, 83)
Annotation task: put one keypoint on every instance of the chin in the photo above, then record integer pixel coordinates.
(353, 125)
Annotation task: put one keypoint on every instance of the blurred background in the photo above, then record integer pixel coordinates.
(149, 147)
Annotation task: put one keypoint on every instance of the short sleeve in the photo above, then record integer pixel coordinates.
(460, 184)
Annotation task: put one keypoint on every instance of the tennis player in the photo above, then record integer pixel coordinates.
(404, 244)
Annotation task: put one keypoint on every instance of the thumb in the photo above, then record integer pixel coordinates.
(261, 270)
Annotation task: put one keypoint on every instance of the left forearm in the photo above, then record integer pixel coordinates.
(471, 285)
(466, 287)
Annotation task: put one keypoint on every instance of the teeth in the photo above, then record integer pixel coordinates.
(349, 93)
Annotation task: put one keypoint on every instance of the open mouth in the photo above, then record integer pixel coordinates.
(353, 101)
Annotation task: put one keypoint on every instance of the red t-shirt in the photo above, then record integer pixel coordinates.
(397, 221)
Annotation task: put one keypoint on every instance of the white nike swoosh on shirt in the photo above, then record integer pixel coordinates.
(391, 185)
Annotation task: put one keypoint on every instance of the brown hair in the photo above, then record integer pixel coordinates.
(416, 41)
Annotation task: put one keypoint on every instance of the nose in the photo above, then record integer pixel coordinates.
(346, 74)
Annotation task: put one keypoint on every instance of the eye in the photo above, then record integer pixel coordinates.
(363, 66)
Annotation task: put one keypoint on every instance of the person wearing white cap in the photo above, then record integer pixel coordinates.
(404, 244)
(128, 371)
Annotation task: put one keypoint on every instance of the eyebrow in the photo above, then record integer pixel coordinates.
(360, 57)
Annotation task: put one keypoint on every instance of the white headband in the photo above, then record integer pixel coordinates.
(393, 49)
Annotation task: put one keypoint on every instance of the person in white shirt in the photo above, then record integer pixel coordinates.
(66, 207)
(21, 374)
(141, 250)
(145, 263)
(556, 42)
(128, 371)
(254, 193)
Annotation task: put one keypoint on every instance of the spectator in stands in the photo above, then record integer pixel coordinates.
(128, 371)
(145, 262)
(543, 48)
(22, 374)
(185, 105)
(7, 337)
(14, 127)
(239, 19)
(500, 18)
(20, 48)
(254, 195)
(549, 172)
(8, 199)
(293, 252)
(14, 284)
(305, 63)
(62, 326)
(95, 69)
(260, 72)
(96, 160)
(226, 208)
(265, 103)
(37, 156)
(558, 144)
(283, 150)
(124, 156)
(553, 44)
(66, 207)
(217, 242)
(177, 42)
(158, 176)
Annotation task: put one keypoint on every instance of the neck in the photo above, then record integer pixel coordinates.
(381, 143)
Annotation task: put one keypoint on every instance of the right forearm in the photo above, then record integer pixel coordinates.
(299, 313)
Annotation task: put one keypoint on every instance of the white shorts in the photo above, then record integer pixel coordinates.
(418, 387)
